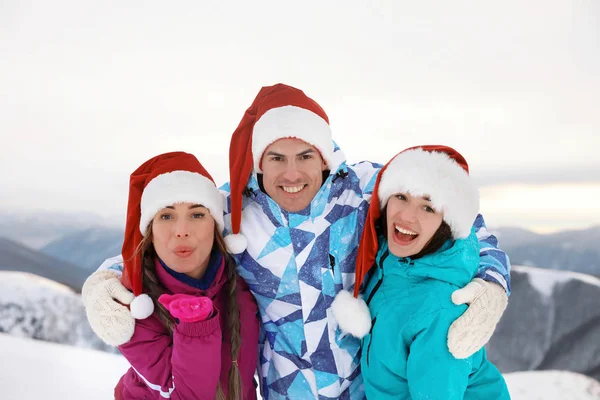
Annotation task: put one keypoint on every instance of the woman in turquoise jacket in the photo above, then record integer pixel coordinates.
(419, 242)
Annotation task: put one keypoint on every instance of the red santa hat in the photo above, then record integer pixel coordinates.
(278, 112)
(438, 172)
(162, 181)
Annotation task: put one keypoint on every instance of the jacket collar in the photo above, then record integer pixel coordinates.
(455, 263)
(174, 285)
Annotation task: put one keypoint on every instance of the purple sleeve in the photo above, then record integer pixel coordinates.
(184, 366)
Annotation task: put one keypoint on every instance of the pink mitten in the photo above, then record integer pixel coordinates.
(187, 308)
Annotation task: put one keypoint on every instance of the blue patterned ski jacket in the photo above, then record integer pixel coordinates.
(296, 263)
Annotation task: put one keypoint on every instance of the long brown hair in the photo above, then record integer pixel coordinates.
(154, 289)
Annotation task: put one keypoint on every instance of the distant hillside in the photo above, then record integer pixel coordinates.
(577, 251)
(85, 240)
(87, 248)
(552, 323)
(511, 236)
(36, 229)
(38, 308)
(16, 257)
(569, 250)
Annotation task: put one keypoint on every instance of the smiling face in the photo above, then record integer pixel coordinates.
(411, 223)
(292, 173)
(183, 237)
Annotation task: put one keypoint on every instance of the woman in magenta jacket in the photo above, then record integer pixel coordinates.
(196, 330)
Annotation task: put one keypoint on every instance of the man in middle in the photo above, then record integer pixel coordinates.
(302, 209)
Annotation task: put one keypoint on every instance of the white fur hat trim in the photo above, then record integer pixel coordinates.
(180, 187)
(434, 174)
(291, 122)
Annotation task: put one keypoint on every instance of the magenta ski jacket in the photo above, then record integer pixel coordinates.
(190, 363)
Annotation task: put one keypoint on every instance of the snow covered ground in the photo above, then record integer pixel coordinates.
(34, 307)
(33, 369)
(552, 385)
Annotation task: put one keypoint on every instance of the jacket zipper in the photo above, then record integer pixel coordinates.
(370, 339)
(340, 174)
(380, 265)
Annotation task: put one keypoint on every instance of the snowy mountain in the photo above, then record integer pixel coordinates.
(86, 239)
(16, 257)
(68, 373)
(512, 237)
(552, 322)
(87, 248)
(575, 250)
(38, 308)
(570, 250)
(35, 229)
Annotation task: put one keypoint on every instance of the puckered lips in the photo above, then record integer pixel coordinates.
(403, 235)
(183, 251)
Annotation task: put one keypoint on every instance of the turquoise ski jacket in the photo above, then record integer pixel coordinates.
(405, 356)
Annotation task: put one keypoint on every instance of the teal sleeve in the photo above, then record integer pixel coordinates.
(432, 372)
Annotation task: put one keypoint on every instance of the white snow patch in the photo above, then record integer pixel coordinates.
(16, 281)
(552, 385)
(544, 280)
(35, 307)
(34, 369)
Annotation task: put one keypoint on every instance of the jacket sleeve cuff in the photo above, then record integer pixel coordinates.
(199, 328)
(494, 277)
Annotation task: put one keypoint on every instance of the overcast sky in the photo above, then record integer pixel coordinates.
(90, 90)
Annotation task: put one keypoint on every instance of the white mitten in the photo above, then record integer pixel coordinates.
(469, 333)
(112, 322)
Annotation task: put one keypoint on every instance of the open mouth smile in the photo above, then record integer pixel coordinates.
(292, 189)
(404, 236)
